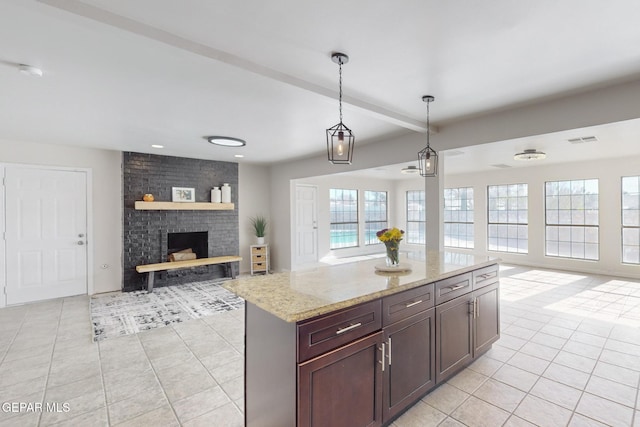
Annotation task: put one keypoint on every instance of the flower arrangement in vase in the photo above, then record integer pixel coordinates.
(391, 238)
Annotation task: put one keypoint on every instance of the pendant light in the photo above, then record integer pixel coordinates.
(340, 139)
(427, 157)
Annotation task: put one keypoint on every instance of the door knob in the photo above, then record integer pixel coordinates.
(80, 242)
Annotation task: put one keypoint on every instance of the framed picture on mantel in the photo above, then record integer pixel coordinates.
(183, 194)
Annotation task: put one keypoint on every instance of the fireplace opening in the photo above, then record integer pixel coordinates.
(195, 241)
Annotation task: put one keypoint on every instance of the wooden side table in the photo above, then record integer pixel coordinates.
(259, 259)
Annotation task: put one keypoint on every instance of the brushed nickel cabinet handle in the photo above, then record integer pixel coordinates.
(382, 360)
(455, 288)
(413, 303)
(389, 350)
(348, 328)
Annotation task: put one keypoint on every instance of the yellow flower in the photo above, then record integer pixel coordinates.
(390, 234)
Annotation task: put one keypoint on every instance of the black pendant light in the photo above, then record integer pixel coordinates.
(427, 157)
(340, 139)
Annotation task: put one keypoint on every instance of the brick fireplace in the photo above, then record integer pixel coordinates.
(146, 232)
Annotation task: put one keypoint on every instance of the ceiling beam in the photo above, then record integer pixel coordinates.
(103, 16)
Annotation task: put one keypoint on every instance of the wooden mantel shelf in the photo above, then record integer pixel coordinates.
(177, 206)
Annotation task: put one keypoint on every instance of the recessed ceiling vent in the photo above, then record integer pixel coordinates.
(501, 166)
(582, 139)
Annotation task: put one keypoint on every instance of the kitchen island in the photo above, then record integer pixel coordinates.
(348, 345)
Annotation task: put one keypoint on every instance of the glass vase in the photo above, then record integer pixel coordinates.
(393, 255)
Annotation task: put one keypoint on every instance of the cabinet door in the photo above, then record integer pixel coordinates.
(487, 318)
(410, 361)
(454, 334)
(343, 388)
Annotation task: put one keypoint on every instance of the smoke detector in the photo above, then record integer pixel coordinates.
(30, 70)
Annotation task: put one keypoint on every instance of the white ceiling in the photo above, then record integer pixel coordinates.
(122, 74)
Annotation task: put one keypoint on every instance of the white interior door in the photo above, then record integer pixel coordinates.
(306, 224)
(46, 226)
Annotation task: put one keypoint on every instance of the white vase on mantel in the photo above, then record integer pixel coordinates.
(260, 240)
(216, 195)
(226, 193)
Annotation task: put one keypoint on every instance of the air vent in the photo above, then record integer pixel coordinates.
(501, 166)
(582, 139)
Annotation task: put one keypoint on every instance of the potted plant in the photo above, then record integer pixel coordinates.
(259, 227)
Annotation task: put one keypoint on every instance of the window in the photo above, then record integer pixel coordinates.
(458, 217)
(507, 214)
(631, 219)
(572, 219)
(415, 232)
(375, 215)
(343, 210)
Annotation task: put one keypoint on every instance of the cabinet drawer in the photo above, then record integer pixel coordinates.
(259, 266)
(400, 306)
(258, 258)
(485, 276)
(328, 332)
(452, 287)
(257, 250)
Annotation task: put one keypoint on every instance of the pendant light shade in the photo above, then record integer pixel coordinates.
(340, 139)
(427, 157)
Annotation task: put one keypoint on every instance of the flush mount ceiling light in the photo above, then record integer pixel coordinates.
(30, 70)
(530, 154)
(226, 141)
(427, 157)
(410, 170)
(340, 139)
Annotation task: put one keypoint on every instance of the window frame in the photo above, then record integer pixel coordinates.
(332, 199)
(623, 219)
(373, 239)
(504, 192)
(422, 224)
(579, 229)
(468, 225)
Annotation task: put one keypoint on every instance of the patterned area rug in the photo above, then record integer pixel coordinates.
(124, 313)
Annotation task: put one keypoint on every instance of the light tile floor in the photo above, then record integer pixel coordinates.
(569, 355)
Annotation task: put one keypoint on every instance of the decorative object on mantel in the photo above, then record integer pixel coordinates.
(427, 157)
(391, 238)
(148, 197)
(226, 193)
(530, 154)
(259, 224)
(122, 313)
(340, 139)
(216, 195)
(183, 194)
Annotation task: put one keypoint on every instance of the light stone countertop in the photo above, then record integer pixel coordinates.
(300, 295)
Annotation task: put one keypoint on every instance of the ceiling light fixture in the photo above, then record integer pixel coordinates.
(30, 70)
(226, 141)
(530, 154)
(410, 170)
(340, 139)
(157, 146)
(427, 157)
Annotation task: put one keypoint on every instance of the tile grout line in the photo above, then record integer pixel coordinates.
(53, 349)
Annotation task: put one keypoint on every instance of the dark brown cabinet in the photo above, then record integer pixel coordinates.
(468, 324)
(365, 364)
(343, 388)
(409, 362)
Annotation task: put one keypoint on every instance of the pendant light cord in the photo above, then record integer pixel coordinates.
(428, 125)
(340, 85)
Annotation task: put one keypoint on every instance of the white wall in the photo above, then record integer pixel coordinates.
(253, 199)
(106, 203)
(608, 172)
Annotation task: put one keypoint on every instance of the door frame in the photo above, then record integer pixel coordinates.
(3, 224)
